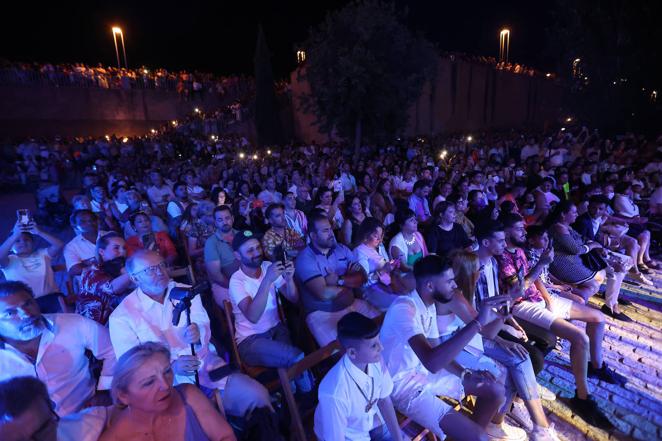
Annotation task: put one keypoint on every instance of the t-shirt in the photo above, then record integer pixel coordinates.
(442, 242)
(35, 270)
(218, 249)
(242, 286)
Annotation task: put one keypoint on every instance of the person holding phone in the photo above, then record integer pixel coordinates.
(262, 338)
(280, 234)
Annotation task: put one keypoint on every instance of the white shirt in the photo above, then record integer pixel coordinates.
(35, 270)
(624, 206)
(61, 361)
(86, 425)
(340, 413)
(370, 259)
(491, 288)
(139, 319)
(79, 249)
(406, 317)
(528, 151)
(175, 208)
(348, 182)
(241, 286)
(157, 195)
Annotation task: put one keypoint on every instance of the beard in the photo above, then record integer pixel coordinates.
(518, 243)
(439, 297)
(253, 263)
(31, 329)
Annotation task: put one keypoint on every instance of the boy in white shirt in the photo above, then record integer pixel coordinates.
(354, 396)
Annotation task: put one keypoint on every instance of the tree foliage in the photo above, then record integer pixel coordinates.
(267, 118)
(364, 68)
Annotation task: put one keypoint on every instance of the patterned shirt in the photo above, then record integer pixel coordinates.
(533, 256)
(291, 241)
(97, 299)
(514, 267)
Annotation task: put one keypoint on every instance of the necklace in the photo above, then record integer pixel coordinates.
(369, 401)
(410, 242)
(426, 330)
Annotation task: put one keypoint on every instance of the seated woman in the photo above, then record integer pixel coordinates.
(381, 202)
(146, 239)
(445, 235)
(30, 265)
(324, 201)
(408, 245)
(489, 351)
(568, 266)
(149, 407)
(105, 283)
(384, 283)
(355, 215)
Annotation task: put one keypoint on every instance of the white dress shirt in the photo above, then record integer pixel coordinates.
(79, 249)
(340, 413)
(139, 319)
(61, 361)
(242, 286)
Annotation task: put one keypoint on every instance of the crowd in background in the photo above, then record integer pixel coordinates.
(445, 227)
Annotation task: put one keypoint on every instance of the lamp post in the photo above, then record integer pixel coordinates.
(117, 30)
(504, 45)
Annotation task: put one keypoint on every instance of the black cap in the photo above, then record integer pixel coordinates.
(242, 237)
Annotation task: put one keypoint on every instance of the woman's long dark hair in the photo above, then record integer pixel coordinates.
(559, 210)
(367, 227)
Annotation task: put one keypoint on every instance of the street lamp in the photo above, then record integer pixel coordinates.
(117, 30)
(504, 45)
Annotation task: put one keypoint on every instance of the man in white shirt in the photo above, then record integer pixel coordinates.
(269, 195)
(262, 339)
(531, 149)
(347, 180)
(159, 192)
(423, 368)
(52, 348)
(79, 252)
(147, 315)
(27, 412)
(354, 396)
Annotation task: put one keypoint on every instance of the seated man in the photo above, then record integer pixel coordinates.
(551, 312)
(359, 385)
(220, 261)
(51, 347)
(327, 273)
(280, 234)
(262, 339)
(147, 315)
(423, 368)
(27, 413)
(79, 252)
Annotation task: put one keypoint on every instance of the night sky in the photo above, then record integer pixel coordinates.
(220, 36)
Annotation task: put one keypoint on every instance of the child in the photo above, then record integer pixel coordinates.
(354, 396)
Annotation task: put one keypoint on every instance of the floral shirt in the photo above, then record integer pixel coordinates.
(514, 267)
(97, 298)
(291, 240)
(533, 256)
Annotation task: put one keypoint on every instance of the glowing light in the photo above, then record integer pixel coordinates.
(107, 138)
(117, 30)
(196, 110)
(268, 152)
(470, 138)
(504, 45)
(563, 129)
(125, 140)
(153, 131)
(241, 155)
(145, 71)
(174, 123)
(254, 156)
(301, 56)
(568, 119)
(548, 75)
(443, 154)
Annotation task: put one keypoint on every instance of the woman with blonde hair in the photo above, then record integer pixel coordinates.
(149, 407)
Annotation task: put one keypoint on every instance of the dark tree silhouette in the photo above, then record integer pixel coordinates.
(267, 116)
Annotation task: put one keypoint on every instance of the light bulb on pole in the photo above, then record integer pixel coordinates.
(117, 30)
(504, 45)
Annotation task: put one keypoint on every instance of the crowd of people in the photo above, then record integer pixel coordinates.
(444, 267)
(188, 84)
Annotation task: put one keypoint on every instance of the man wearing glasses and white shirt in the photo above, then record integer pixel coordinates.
(147, 314)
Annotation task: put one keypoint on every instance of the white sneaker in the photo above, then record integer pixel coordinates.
(639, 277)
(544, 434)
(546, 394)
(520, 413)
(505, 432)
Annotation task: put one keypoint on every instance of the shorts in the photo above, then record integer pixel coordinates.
(425, 407)
(538, 314)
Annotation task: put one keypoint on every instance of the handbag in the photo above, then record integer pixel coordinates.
(594, 261)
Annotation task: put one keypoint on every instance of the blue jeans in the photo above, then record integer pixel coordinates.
(274, 349)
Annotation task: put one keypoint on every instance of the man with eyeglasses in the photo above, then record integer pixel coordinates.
(147, 315)
(51, 347)
(27, 413)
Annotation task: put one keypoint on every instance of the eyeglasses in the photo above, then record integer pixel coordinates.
(151, 270)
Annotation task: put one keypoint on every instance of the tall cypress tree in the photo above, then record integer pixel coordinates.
(267, 117)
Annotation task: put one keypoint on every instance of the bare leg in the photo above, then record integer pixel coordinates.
(644, 242)
(490, 397)
(631, 249)
(536, 412)
(459, 427)
(579, 351)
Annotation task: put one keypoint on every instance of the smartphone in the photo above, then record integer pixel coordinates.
(221, 372)
(337, 186)
(144, 205)
(279, 254)
(23, 216)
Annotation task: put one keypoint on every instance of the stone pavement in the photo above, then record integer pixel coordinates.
(632, 349)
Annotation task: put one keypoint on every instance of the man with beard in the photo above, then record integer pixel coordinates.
(533, 304)
(423, 368)
(262, 338)
(51, 347)
(280, 234)
(327, 273)
(220, 261)
(147, 315)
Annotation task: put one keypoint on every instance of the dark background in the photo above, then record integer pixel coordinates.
(220, 36)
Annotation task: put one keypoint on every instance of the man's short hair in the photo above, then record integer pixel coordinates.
(356, 326)
(18, 394)
(430, 266)
(178, 184)
(221, 208)
(598, 199)
(13, 286)
(487, 229)
(534, 231)
(77, 213)
(472, 194)
(272, 207)
(420, 184)
(139, 254)
(508, 220)
(316, 216)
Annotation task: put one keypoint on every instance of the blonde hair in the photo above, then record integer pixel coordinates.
(129, 362)
(466, 267)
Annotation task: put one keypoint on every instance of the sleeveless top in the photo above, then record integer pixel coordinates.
(193, 430)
